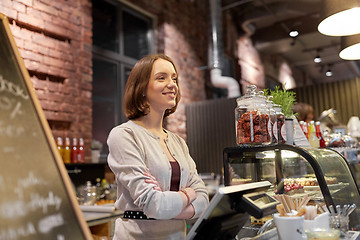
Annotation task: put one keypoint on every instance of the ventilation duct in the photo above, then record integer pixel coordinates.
(215, 50)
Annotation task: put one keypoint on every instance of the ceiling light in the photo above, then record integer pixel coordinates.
(329, 73)
(293, 33)
(317, 59)
(350, 47)
(340, 18)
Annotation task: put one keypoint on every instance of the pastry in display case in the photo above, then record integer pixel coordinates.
(321, 174)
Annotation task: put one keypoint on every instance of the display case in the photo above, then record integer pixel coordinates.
(322, 174)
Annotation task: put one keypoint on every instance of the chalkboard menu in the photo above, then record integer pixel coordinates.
(36, 196)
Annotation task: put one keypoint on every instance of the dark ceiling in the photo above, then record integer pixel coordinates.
(268, 23)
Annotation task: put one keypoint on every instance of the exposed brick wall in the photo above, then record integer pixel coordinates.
(260, 70)
(277, 69)
(252, 70)
(54, 39)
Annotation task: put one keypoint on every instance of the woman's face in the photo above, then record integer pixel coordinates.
(162, 88)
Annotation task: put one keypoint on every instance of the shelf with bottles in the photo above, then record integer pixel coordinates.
(71, 153)
(313, 133)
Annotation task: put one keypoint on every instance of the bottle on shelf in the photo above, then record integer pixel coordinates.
(104, 184)
(304, 127)
(319, 135)
(313, 139)
(81, 151)
(67, 151)
(307, 125)
(301, 123)
(74, 151)
(59, 144)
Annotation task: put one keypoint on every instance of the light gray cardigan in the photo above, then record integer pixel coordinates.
(133, 149)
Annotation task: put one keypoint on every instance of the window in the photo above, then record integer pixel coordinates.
(121, 36)
(136, 36)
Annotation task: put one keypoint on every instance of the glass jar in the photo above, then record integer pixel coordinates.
(89, 194)
(279, 125)
(242, 107)
(272, 119)
(265, 108)
(251, 117)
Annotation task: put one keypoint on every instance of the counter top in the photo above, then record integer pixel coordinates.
(95, 218)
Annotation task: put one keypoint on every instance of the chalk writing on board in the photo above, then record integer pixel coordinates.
(21, 208)
(7, 86)
(49, 222)
(27, 182)
(28, 229)
(8, 149)
(44, 203)
(60, 237)
(10, 130)
(17, 232)
(11, 104)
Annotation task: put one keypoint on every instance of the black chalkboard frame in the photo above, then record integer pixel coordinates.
(63, 176)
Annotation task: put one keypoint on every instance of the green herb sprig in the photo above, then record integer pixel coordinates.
(286, 99)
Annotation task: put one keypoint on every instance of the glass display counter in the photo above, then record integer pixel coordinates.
(322, 174)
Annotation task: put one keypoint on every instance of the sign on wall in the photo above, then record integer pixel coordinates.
(36, 196)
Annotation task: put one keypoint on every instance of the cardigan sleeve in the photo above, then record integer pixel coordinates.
(195, 182)
(127, 160)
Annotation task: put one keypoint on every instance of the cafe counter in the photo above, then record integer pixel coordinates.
(102, 224)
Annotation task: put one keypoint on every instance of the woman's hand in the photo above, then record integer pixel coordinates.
(192, 194)
(188, 195)
(152, 180)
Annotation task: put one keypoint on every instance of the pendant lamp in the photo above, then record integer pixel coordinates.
(340, 17)
(350, 47)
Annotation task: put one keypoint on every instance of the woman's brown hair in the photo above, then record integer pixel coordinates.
(135, 104)
(303, 111)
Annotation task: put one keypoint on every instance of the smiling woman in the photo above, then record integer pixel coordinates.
(135, 103)
(162, 88)
(156, 177)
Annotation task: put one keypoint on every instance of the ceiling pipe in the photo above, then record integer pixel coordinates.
(215, 50)
(355, 67)
(235, 4)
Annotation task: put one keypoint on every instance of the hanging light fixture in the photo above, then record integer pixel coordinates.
(350, 47)
(329, 73)
(293, 33)
(317, 58)
(340, 18)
